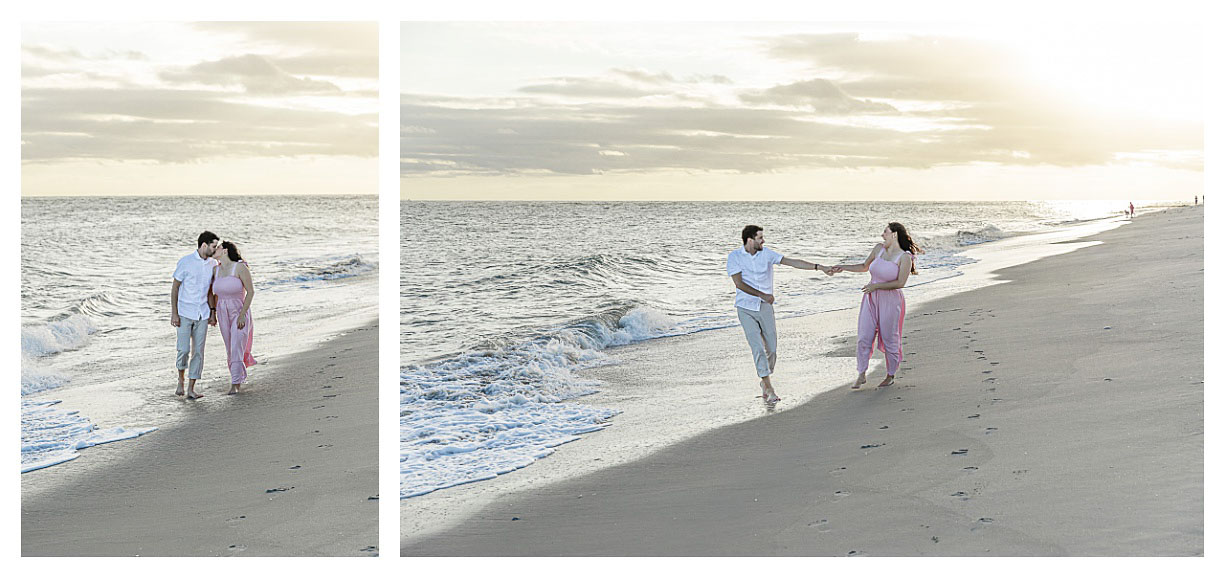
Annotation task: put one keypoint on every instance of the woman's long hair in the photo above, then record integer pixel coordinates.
(903, 240)
(231, 250)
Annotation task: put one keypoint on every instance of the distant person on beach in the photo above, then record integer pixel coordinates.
(882, 309)
(231, 298)
(751, 268)
(190, 312)
(1131, 210)
(1197, 200)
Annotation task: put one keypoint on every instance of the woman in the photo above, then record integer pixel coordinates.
(883, 307)
(233, 291)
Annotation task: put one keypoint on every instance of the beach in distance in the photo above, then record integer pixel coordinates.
(1050, 401)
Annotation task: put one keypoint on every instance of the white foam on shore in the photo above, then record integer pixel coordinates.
(50, 435)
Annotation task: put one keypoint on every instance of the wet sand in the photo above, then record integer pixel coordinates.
(1059, 413)
(286, 468)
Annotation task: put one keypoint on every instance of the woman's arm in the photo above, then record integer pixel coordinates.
(903, 273)
(244, 274)
(863, 268)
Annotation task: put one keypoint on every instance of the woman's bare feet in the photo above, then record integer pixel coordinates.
(862, 379)
(887, 382)
(233, 390)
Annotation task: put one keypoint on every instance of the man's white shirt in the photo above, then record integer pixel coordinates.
(195, 274)
(757, 271)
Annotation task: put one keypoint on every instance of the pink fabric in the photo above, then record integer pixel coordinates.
(230, 295)
(881, 314)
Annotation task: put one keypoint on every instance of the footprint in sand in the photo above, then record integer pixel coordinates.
(991, 429)
(962, 495)
(324, 446)
(991, 380)
(970, 468)
(233, 522)
(373, 549)
(987, 371)
(235, 548)
(821, 525)
(975, 416)
(319, 407)
(960, 452)
(332, 395)
(295, 467)
(838, 470)
(855, 553)
(870, 446)
(840, 494)
(278, 490)
(994, 362)
(883, 427)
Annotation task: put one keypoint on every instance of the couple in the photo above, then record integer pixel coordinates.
(881, 309)
(212, 286)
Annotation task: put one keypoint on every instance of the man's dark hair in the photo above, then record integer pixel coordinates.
(749, 232)
(206, 238)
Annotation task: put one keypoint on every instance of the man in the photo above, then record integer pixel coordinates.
(751, 268)
(190, 295)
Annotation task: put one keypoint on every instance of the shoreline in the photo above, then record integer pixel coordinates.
(287, 468)
(420, 539)
(816, 360)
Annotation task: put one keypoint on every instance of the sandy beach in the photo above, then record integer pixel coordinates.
(1059, 413)
(288, 468)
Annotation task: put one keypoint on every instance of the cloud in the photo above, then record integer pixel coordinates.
(343, 49)
(69, 55)
(456, 136)
(818, 94)
(180, 126)
(589, 87)
(255, 73)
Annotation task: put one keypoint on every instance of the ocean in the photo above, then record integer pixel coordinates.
(97, 348)
(504, 304)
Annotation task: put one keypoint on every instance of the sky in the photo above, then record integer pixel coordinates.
(126, 108)
(795, 111)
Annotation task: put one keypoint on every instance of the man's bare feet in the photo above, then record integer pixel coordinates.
(887, 382)
(862, 379)
(767, 392)
(194, 395)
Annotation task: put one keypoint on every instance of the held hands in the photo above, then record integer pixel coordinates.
(212, 318)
